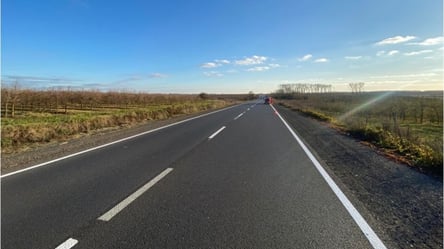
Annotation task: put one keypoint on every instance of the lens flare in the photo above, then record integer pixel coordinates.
(365, 105)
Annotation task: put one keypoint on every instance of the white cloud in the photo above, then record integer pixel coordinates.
(431, 41)
(414, 75)
(258, 69)
(213, 74)
(215, 63)
(353, 57)
(222, 61)
(321, 60)
(396, 40)
(138, 77)
(274, 65)
(393, 52)
(209, 65)
(380, 53)
(305, 57)
(385, 53)
(157, 75)
(254, 60)
(418, 52)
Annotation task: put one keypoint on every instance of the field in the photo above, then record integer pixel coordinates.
(32, 117)
(406, 125)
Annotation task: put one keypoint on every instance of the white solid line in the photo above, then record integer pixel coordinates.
(69, 243)
(119, 207)
(357, 217)
(238, 116)
(108, 144)
(217, 132)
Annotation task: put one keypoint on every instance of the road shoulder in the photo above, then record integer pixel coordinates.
(403, 203)
(41, 153)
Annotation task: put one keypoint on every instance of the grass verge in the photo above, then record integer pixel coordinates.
(422, 150)
(31, 128)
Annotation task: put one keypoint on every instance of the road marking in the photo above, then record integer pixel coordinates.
(69, 243)
(217, 132)
(238, 116)
(115, 142)
(374, 240)
(123, 204)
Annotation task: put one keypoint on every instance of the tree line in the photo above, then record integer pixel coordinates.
(357, 87)
(303, 88)
(60, 100)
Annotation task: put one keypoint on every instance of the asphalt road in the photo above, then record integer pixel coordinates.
(237, 178)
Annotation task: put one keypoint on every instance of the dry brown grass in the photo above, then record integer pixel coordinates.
(407, 126)
(28, 128)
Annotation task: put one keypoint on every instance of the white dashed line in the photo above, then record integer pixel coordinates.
(217, 132)
(69, 243)
(108, 144)
(119, 207)
(238, 116)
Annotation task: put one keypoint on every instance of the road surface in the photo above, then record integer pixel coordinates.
(237, 178)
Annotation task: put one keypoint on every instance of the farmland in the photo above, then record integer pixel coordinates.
(405, 125)
(31, 117)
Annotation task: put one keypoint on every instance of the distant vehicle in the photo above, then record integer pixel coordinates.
(268, 100)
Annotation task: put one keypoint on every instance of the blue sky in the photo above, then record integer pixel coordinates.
(229, 46)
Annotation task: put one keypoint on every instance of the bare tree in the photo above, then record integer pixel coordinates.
(437, 110)
(353, 87)
(421, 110)
(6, 99)
(250, 95)
(302, 88)
(356, 87)
(15, 97)
(361, 86)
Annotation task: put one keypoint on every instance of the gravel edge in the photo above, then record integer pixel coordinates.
(402, 205)
(41, 153)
